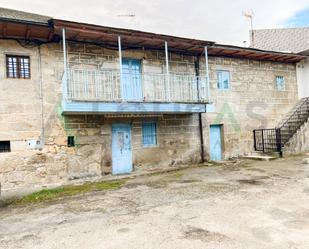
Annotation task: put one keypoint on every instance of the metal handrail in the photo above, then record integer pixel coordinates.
(110, 85)
(304, 101)
(274, 140)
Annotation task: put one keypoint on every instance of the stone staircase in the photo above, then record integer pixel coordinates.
(274, 140)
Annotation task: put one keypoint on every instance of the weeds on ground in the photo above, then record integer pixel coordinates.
(65, 191)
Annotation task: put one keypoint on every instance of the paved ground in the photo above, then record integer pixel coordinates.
(248, 205)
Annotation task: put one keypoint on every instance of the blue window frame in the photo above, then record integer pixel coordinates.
(149, 134)
(223, 78)
(280, 83)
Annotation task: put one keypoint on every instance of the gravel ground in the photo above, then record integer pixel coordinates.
(248, 204)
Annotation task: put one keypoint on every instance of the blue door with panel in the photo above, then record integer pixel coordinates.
(121, 149)
(131, 80)
(215, 143)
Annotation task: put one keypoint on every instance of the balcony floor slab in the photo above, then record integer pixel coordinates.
(125, 107)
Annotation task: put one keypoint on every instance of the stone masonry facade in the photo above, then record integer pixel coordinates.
(30, 111)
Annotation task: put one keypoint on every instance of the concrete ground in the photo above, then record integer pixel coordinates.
(249, 204)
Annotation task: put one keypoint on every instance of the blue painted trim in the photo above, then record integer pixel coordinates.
(100, 107)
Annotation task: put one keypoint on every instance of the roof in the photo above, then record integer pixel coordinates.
(23, 25)
(254, 54)
(129, 38)
(132, 38)
(16, 15)
(304, 53)
(282, 40)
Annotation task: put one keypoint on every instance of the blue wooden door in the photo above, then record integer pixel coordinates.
(215, 143)
(121, 149)
(131, 80)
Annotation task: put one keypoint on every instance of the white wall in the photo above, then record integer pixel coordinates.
(303, 78)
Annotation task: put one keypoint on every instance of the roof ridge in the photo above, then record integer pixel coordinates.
(13, 14)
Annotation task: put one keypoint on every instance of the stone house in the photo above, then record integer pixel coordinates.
(295, 40)
(79, 101)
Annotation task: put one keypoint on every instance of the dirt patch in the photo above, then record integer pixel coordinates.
(195, 233)
(190, 181)
(250, 181)
(257, 170)
(257, 180)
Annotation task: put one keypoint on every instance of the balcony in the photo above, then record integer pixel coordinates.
(111, 91)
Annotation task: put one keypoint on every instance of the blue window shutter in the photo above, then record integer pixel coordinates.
(149, 133)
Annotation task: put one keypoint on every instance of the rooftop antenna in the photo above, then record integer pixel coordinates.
(249, 17)
(130, 16)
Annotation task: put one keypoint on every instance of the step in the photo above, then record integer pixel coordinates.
(267, 156)
(259, 158)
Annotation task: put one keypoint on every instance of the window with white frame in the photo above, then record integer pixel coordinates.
(280, 84)
(223, 79)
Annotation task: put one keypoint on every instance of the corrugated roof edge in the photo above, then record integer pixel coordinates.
(45, 24)
(53, 20)
(23, 16)
(254, 49)
(51, 23)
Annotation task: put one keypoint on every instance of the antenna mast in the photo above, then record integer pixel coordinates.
(249, 16)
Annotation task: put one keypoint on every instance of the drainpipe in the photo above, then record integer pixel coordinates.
(42, 136)
(200, 118)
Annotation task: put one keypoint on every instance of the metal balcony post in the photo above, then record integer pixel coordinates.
(263, 140)
(207, 73)
(120, 64)
(167, 73)
(65, 66)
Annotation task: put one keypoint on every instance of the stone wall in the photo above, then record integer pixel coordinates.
(299, 142)
(251, 102)
(177, 136)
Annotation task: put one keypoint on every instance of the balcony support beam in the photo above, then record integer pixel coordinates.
(207, 73)
(120, 57)
(167, 72)
(65, 65)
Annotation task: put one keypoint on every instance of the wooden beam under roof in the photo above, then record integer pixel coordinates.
(4, 30)
(28, 32)
(100, 34)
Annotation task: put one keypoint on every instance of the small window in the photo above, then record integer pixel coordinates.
(223, 78)
(18, 66)
(280, 83)
(149, 133)
(5, 146)
(71, 141)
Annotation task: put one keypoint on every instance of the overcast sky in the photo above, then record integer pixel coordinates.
(214, 20)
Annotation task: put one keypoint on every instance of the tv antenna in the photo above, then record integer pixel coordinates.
(249, 17)
(130, 16)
